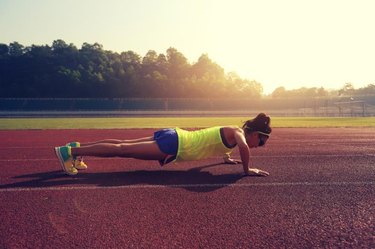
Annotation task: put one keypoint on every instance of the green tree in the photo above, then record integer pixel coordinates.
(367, 90)
(321, 92)
(243, 88)
(177, 73)
(279, 92)
(62, 70)
(4, 49)
(16, 49)
(206, 76)
(61, 48)
(348, 89)
(154, 82)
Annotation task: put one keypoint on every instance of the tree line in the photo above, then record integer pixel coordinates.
(64, 71)
(313, 92)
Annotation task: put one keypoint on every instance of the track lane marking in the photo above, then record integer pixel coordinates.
(214, 185)
(114, 158)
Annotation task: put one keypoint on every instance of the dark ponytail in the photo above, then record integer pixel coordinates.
(261, 123)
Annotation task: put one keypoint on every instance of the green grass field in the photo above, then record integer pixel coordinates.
(183, 122)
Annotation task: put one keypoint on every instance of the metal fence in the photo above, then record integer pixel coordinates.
(332, 106)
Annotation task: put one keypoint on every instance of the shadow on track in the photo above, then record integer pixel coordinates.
(194, 179)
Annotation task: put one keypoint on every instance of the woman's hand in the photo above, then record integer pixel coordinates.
(257, 172)
(229, 160)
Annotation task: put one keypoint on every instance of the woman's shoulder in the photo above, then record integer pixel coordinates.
(232, 128)
(229, 131)
(229, 134)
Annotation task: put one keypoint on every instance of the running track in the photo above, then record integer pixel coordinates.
(320, 194)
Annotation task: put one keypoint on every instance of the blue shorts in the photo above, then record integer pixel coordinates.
(167, 140)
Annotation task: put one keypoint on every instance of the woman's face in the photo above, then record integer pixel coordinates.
(254, 139)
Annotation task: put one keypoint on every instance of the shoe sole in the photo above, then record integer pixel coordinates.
(78, 165)
(61, 160)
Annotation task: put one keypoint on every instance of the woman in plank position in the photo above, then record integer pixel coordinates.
(176, 145)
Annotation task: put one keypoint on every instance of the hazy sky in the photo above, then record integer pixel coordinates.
(291, 43)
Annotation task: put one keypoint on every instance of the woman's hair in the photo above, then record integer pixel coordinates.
(261, 123)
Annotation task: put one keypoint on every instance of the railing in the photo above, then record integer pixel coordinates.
(333, 106)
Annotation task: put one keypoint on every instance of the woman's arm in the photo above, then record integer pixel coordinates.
(239, 136)
(245, 155)
(228, 160)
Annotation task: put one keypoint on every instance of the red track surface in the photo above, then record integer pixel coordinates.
(321, 193)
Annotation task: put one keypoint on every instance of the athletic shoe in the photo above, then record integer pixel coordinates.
(78, 161)
(66, 161)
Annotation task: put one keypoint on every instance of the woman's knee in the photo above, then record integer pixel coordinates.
(124, 149)
(143, 150)
(132, 149)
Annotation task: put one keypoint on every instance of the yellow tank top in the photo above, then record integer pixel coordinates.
(200, 144)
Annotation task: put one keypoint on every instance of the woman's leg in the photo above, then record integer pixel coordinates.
(146, 150)
(118, 141)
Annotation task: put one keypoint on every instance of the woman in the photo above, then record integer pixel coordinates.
(169, 145)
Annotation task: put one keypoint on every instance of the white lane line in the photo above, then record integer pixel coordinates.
(214, 185)
(28, 147)
(114, 158)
